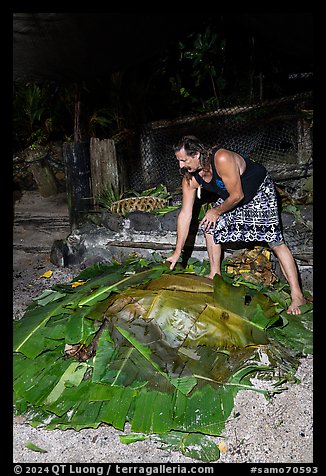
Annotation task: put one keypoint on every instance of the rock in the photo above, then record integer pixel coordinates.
(169, 220)
(112, 221)
(143, 221)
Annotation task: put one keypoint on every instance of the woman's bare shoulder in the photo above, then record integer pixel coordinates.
(222, 155)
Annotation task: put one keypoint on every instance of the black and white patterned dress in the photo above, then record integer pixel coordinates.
(257, 220)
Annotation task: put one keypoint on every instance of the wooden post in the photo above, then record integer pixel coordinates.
(77, 163)
(104, 167)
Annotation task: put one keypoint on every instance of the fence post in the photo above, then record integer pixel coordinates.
(77, 164)
(104, 167)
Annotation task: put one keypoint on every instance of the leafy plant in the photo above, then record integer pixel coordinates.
(108, 195)
(205, 51)
(32, 116)
(158, 191)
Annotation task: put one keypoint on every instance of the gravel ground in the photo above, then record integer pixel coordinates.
(279, 430)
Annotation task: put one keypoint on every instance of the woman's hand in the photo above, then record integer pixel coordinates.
(211, 217)
(173, 259)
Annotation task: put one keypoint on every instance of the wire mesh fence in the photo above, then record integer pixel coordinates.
(276, 133)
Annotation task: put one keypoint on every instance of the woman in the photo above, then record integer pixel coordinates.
(245, 211)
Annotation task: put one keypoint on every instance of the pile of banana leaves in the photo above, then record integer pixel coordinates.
(163, 351)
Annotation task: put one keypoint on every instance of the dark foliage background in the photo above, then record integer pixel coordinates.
(83, 75)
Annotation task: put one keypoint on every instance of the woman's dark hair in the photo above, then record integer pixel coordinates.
(192, 145)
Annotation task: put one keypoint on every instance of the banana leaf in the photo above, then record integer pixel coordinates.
(166, 351)
(192, 445)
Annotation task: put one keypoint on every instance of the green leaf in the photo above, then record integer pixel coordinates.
(68, 379)
(199, 412)
(40, 376)
(132, 438)
(200, 447)
(104, 291)
(33, 447)
(79, 328)
(27, 337)
(192, 445)
(104, 354)
(297, 334)
(243, 303)
(48, 296)
(158, 417)
(115, 411)
(184, 384)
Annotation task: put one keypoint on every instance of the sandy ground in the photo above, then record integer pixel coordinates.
(259, 431)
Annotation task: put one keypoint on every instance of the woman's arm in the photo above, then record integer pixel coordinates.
(228, 169)
(184, 219)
